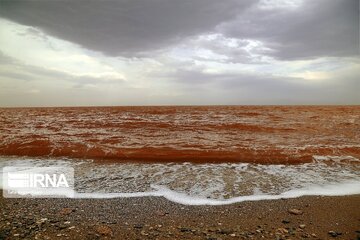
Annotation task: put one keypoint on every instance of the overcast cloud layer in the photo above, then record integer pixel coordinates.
(160, 52)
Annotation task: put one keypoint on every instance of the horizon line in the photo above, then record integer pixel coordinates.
(188, 105)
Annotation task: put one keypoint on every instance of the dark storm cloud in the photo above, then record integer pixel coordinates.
(316, 29)
(133, 27)
(123, 27)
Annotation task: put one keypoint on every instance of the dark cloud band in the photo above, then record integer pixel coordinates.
(123, 27)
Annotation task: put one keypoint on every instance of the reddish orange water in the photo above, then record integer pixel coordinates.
(262, 134)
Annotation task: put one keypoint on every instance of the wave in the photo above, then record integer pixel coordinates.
(194, 153)
(266, 135)
(212, 184)
(339, 189)
(151, 154)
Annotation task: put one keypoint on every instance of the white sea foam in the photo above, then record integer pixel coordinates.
(206, 184)
(337, 159)
(340, 189)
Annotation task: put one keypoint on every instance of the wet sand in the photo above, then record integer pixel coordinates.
(156, 218)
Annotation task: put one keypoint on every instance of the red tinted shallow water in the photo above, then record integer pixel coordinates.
(260, 134)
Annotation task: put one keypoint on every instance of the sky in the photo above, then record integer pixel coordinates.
(172, 52)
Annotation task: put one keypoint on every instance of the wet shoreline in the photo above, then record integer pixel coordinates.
(156, 218)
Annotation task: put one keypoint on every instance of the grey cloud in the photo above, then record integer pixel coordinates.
(123, 27)
(15, 70)
(11, 68)
(16, 75)
(230, 81)
(134, 28)
(6, 59)
(146, 27)
(245, 88)
(226, 53)
(316, 29)
(238, 52)
(84, 81)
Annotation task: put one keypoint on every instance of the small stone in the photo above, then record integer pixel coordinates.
(225, 231)
(66, 211)
(282, 230)
(16, 235)
(161, 213)
(302, 226)
(144, 233)
(41, 221)
(67, 222)
(305, 235)
(103, 230)
(61, 226)
(138, 226)
(233, 235)
(54, 221)
(295, 211)
(72, 227)
(334, 234)
(184, 229)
